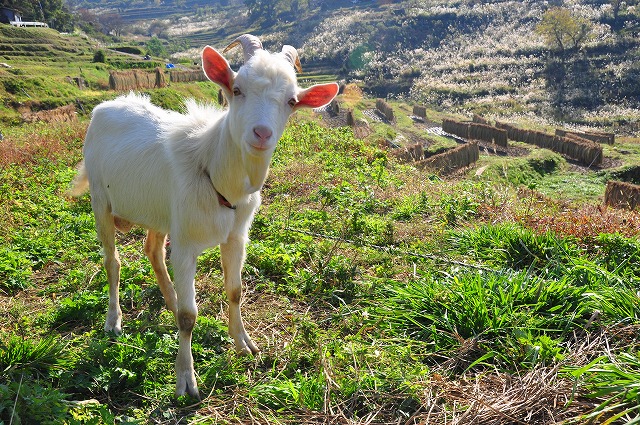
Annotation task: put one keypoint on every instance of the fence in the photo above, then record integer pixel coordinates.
(622, 195)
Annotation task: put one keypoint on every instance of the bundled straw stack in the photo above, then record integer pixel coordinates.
(61, 114)
(606, 138)
(187, 76)
(475, 131)
(420, 111)
(449, 161)
(136, 79)
(622, 195)
(577, 148)
(385, 109)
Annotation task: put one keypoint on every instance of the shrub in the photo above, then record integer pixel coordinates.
(100, 56)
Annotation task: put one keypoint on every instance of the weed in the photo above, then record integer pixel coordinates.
(614, 379)
(516, 247)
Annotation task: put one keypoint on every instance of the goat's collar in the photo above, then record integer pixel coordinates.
(221, 199)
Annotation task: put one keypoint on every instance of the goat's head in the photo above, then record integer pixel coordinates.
(261, 96)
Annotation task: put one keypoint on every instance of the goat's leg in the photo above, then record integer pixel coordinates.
(155, 251)
(184, 268)
(232, 254)
(106, 231)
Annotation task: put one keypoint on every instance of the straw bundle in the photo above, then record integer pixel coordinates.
(61, 114)
(606, 138)
(577, 148)
(457, 128)
(449, 161)
(187, 76)
(420, 111)
(385, 109)
(135, 79)
(622, 195)
(488, 133)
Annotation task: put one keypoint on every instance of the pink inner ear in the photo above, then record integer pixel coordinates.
(217, 68)
(318, 95)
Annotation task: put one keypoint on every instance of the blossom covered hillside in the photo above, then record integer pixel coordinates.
(489, 57)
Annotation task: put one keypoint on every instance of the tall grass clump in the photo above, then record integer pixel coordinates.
(514, 318)
(514, 246)
(614, 379)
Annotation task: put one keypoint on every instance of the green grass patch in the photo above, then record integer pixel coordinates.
(368, 283)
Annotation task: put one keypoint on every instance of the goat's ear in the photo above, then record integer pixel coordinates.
(317, 96)
(217, 69)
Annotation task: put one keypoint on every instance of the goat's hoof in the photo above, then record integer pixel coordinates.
(192, 391)
(115, 328)
(186, 384)
(249, 347)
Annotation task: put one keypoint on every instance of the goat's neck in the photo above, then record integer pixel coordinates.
(233, 173)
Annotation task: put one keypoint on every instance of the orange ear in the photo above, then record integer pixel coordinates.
(217, 69)
(317, 96)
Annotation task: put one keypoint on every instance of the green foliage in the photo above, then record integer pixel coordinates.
(15, 269)
(356, 289)
(100, 56)
(516, 320)
(512, 246)
(155, 47)
(24, 402)
(282, 393)
(140, 362)
(614, 379)
(32, 356)
(562, 30)
(81, 309)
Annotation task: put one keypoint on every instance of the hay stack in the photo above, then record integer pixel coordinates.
(606, 138)
(135, 79)
(449, 161)
(577, 148)
(458, 128)
(385, 109)
(488, 133)
(622, 195)
(61, 114)
(480, 120)
(420, 111)
(187, 76)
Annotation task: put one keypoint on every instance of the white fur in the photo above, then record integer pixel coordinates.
(158, 169)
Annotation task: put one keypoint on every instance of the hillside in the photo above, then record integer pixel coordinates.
(460, 56)
(381, 290)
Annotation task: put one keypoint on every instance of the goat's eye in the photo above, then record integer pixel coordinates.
(293, 102)
(236, 91)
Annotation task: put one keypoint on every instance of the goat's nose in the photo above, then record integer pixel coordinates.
(262, 132)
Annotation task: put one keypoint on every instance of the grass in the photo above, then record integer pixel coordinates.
(378, 293)
(372, 288)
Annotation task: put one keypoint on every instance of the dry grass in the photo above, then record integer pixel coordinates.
(46, 141)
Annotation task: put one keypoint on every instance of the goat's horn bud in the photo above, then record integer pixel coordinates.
(291, 54)
(250, 44)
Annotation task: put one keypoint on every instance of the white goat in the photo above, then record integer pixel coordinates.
(196, 176)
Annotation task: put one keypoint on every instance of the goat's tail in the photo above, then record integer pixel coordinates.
(80, 183)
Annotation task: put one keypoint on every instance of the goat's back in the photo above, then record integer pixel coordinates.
(127, 161)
